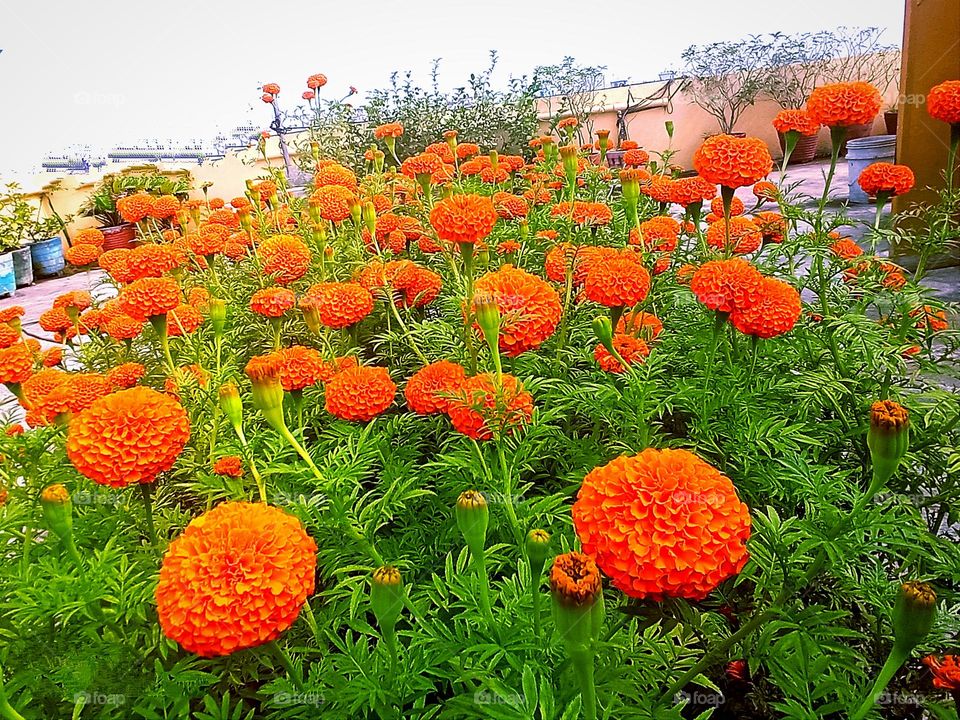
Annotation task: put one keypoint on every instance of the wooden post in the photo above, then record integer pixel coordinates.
(931, 54)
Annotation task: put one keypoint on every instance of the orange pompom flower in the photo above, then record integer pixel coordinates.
(82, 254)
(300, 367)
(465, 218)
(844, 104)
(618, 281)
(128, 437)
(798, 121)
(774, 313)
(341, 304)
(360, 394)
(430, 389)
(88, 236)
(662, 524)
(228, 466)
(943, 102)
(236, 578)
(333, 202)
(134, 208)
(731, 161)
(630, 348)
(16, 365)
(286, 258)
(149, 297)
(724, 285)
(529, 308)
(388, 130)
(887, 179)
(480, 409)
(272, 302)
(126, 375)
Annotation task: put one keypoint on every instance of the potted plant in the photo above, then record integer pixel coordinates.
(725, 78)
(102, 202)
(22, 229)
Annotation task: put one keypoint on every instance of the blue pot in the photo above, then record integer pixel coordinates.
(8, 278)
(47, 257)
(23, 266)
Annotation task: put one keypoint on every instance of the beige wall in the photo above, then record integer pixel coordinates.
(691, 123)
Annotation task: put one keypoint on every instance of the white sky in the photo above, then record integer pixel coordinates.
(113, 72)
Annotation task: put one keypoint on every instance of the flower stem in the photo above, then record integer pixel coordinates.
(145, 494)
(897, 657)
(287, 664)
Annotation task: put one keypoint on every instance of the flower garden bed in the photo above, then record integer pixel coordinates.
(480, 435)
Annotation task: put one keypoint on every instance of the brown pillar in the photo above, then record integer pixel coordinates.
(931, 54)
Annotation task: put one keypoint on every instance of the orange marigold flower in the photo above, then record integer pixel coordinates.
(765, 190)
(508, 247)
(123, 327)
(685, 273)
(55, 320)
(82, 254)
(335, 174)
(51, 357)
(360, 394)
(846, 249)
(426, 163)
(731, 161)
(285, 257)
(74, 394)
(943, 102)
(494, 175)
(931, 319)
(16, 364)
(164, 207)
(529, 308)
(478, 409)
(199, 297)
(510, 207)
(430, 389)
(11, 313)
(126, 375)
(467, 218)
(538, 196)
(592, 214)
(419, 285)
(844, 104)
(799, 121)
(228, 466)
(129, 436)
(153, 260)
(341, 304)
(272, 302)
(317, 80)
(631, 349)
(88, 236)
(227, 218)
(636, 157)
(41, 383)
(745, 236)
(149, 297)
(618, 281)
(333, 202)
(772, 226)
(300, 367)
(736, 207)
(773, 313)
(660, 188)
(8, 335)
(236, 578)
(134, 208)
(393, 130)
(945, 670)
(659, 233)
(183, 319)
(886, 178)
(724, 285)
(467, 150)
(640, 324)
(689, 190)
(662, 523)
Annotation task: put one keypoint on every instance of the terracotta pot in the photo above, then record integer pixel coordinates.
(804, 152)
(116, 237)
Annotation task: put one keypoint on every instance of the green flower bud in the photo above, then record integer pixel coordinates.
(386, 596)
(473, 515)
(888, 439)
(913, 614)
(218, 314)
(370, 218)
(231, 404)
(488, 318)
(57, 510)
(537, 548)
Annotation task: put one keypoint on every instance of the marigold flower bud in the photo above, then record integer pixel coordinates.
(356, 210)
(370, 217)
(913, 614)
(57, 509)
(888, 439)
(603, 329)
(537, 548)
(231, 404)
(218, 314)
(488, 318)
(603, 140)
(494, 158)
(473, 515)
(386, 596)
